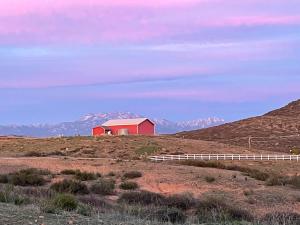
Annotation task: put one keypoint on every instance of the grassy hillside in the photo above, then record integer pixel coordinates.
(274, 131)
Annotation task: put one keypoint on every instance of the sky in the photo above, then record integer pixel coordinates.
(174, 59)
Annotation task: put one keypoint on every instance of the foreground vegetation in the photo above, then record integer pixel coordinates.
(82, 195)
(270, 179)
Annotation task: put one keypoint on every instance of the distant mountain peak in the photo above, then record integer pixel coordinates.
(84, 125)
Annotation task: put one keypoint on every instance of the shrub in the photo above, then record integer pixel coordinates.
(142, 198)
(27, 177)
(276, 180)
(85, 176)
(217, 210)
(111, 174)
(33, 154)
(210, 179)
(84, 210)
(208, 164)
(184, 201)
(181, 201)
(9, 196)
(35, 171)
(95, 201)
(65, 202)
(254, 173)
(129, 185)
(248, 192)
(70, 186)
(281, 218)
(165, 214)
(280, 180)
(132, 175)
(295, 181)
(4, 178)
(69, 172)
(103, 187)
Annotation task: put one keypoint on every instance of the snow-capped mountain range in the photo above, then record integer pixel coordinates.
(84, 125)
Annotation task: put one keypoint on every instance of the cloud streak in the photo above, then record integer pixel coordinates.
(92, 21)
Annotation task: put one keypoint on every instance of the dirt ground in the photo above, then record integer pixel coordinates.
(112, 147)
(168, 177)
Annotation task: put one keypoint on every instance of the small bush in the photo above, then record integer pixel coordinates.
(65, 202)
(254, 173)
(9, 196)
(184, 201)
(95, 202)
(84, 210)
(3, 178)
(85, 176)
(33, 154)
(217, 210)
(294, 181)
(165, 214)
(210, 179)
(103, 187)
(276, 180)
(248, 192)
(129, 185)
(142, 198)
(281, 218)
(111, 174)
(180, 201)
(69, 172)
(70, 186)
(35, 171)
(27, 177)
(280, 180)
(132, 175)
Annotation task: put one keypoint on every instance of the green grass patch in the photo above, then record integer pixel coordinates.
(147, 150)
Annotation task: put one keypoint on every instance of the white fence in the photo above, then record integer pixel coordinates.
(226, 157)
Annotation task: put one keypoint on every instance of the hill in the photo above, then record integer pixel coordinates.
(277, 130)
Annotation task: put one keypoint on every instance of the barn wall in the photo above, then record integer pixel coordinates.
(146, 128)
(132, 129)
(98, 131)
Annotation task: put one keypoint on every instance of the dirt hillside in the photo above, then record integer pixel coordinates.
(268, 132)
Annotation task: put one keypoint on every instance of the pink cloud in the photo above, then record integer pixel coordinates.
(19, 7)
(257, 20)
(94, 21)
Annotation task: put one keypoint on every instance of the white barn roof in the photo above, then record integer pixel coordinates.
(125, 122)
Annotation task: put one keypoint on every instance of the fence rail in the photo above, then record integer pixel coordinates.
(224, 157)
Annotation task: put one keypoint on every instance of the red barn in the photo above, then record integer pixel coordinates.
(140, 126)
